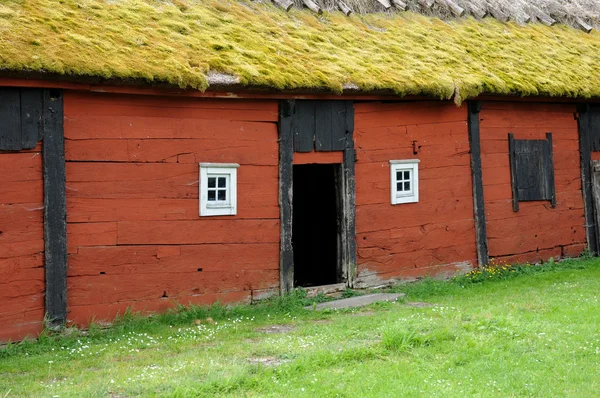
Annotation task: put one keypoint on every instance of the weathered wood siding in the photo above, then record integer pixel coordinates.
(134, 234)
(537, 231)
(21, 244)
(435, 235)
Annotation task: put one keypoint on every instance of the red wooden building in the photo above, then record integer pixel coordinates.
(120, 190)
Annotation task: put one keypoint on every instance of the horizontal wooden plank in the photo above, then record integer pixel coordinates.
(389, 262)
(534, 220)
(13, 274)
(183, 109)
(133, 209)
(91, 234)
(502, 208)
(378, 217)
(375, 188)
(22, 290)
(517, 119)
(225, 150)
(16, 308)
(118, 260)
(200, 231)
(84, 314)
(139, 127)
(22, 166)
(378, 106)
(256, 184)
(528, 107)
(8, 250)
(534, 239)
(318, 157)
(368, 137)
(21, 325)
(21, 223)
(430, 156)
(13, 192)
(76, 99)
(88, 290)
(531, 257)
(568, 192)
(16, 264)
(411, 273)
(574, 250)
(428, 236)
(409, 113)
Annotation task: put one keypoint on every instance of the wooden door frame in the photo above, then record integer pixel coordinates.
(347, 245)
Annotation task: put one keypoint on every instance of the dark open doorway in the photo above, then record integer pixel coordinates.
(315, 232)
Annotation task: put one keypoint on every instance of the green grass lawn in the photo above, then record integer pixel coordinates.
(530, 334)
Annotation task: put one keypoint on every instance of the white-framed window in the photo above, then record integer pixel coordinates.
(404, 181)
(218, 189)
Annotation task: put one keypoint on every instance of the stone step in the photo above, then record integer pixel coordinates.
(358, 301)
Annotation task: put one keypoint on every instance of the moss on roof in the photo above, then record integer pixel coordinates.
(179, 42)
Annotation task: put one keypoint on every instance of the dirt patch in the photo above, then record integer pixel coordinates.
(274, 329)
(363, 313)
(266, 361)
(419, 304)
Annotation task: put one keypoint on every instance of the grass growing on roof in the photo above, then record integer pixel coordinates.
(179, 42)
(535, 334)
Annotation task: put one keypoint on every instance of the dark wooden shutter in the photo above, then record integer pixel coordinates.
(321, 126)
(20, 118)
(532, 170)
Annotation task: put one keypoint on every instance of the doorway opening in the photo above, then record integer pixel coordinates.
(316, 211)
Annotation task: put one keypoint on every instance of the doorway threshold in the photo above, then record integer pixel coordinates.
(325, 289)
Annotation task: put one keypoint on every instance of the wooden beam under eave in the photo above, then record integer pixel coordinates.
(542, 16)
(313, 6)
(385, 3)
(399, 4)
(426, 3)
(285, 4)
(344, 8)
(456, 10)
(583, 25)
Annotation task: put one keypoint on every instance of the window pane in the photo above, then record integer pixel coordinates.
(407, 186)
(222, 194)
(407, 175)
(212, 195)
(222, 182)
(399, 187)
(212, 181)
(398, 175)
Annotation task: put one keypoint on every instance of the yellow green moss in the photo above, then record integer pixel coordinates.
(179, 42)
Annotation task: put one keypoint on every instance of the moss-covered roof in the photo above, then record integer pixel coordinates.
(180, 42)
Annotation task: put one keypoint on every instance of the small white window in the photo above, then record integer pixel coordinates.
(405, 181)
(218, 189)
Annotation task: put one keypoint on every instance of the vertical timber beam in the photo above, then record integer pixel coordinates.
(55, 223)
(474, 107)
(286, 157)
(349, 228)
(585, 152)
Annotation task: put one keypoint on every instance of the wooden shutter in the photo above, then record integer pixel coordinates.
(20, 118)
(532, 170)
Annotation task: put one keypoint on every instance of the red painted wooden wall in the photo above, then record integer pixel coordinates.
(21, 244)
(435, 235)
(537, 231)
(134, 234)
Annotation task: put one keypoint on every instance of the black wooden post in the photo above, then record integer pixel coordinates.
(474, 107)
(584, 122)
(55, 211)
(349, 201)
(513, 171)
(286, 155)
